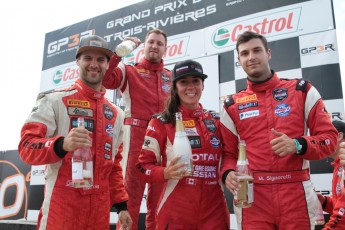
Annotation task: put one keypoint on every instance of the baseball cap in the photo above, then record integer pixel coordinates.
(339, 125)
(188, 68)
(94, 42)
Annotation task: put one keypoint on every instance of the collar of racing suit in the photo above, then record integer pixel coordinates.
(263, 86)
(191, 112)
(89, 92)
(152, 66)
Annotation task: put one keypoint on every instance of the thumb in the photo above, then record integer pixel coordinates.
(276, 133)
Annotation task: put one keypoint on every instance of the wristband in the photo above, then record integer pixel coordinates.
(298, 147)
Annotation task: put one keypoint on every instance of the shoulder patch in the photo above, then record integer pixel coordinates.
(229, 101)
(159, 117)
(214, 114)
(302, 85)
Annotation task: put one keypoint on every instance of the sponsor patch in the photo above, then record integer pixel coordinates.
(195, 141)
(76, 111)
(165, 77)
(151, 128)
(210, 125)
(246, 99)
(248, 105)
(107, 156)
(108, 112)
(282, 110)
(215, 142)
(78, 103)
(280, 94)
(107, 146)
(249, 114)
(147, 143)
(89, 124)
(191, 132)
(189, 123)
(109, 130)
(166, 87)
(197, 113)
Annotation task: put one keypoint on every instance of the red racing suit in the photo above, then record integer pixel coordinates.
(283, 195)
(335, 204)
(53, 116)
(145, 88)
(197, 201)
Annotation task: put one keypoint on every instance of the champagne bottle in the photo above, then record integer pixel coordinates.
(125, 48)
(244, 198)
(182, 146)
(82, 164)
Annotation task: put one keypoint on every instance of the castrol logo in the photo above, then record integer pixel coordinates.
(269, 25)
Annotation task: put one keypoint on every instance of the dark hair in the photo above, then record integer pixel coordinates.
(171, 106)
(249, 35)
(157, 31)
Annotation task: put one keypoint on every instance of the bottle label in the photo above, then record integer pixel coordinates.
(77, 171)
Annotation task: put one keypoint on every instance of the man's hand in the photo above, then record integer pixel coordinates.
(232, 183)
(282, 145)
(133, 39)
(125, 220)
(77, 138)
(174, 170)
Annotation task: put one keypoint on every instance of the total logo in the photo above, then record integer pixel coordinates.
(64, 76)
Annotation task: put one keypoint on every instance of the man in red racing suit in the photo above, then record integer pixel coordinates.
(335, 204)
(145, 88)
(52, 124)
(273, 117)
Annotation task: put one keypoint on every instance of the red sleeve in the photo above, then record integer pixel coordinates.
(337, 218)
(113, 76)
(322, 140)
(153, 152)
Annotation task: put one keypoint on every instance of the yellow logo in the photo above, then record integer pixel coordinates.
(247, 98)
(80, 103)
(189, 123)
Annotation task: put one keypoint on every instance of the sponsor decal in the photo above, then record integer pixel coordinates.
(205, 171)
(191, 131)
(67, 75)
(273, 24)
(210, 125)
(249, 114)
(280, 94)
(107, 156)
(338, 189)
(195, 141)
(282, 110)
(80, 103)
(129, 59)
(318, 49)
(165, 77)
(215, 142)
(248, 105)
(69, 43)
(147, 143)
(197, 112)
(205, 157)
(76, 111)
(321, 142)
(189, 123)
(13, 190)
(246, 99)
(89, 124)
(166, 88)
(148, 172)
(108, 112)
(151, 128)
(109, 130)
(107, 146)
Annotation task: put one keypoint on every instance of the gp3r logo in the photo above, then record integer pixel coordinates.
(13, 192)
(67, 42)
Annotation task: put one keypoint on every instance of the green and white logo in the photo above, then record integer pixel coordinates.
(221, 37)
(57, 77)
